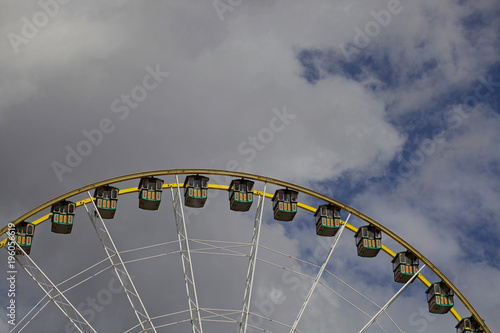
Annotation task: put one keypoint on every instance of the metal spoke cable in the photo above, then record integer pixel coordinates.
(51, 290)
(119, 267)
(290, 256)
(258, 328)
(263, 260)
(204, 242)
(322, 283)
(63, 291)
(218, 241)
(148, 247)
(220, 254)
(349, 302)
(318, 276)
(352, 288)
(231, 311)
(391, 300)
(160, 326)
(185, 254)
(310, 277)
(225, 248)
(170, 314)
(34, 316)
(271, 320)
(285, 268)
(364, 296)
(326, 271)
(171, 324)
(164, 316)
(151, 257)
(399, 329)
(249, 280)
(217, 315)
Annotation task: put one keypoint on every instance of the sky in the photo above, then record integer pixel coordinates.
(391, 107)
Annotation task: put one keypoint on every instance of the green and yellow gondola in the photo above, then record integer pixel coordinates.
(150, 191)
(368, 241)
(404, 265)
(439, 298)
(327, 219)
(106, 199)
(468, 325)
(285, 204)
(25, 231)
(241, 194)
(63, 214)
(195, 191)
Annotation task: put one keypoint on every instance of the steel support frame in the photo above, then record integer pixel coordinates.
(251, 263)
(393, 298)
(318, 276)
(52, 292)
(187, 267)
(119, 268)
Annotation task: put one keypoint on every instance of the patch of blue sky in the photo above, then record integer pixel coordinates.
(319, 64)
(489, 244)
(494, 99)
(425, 68)
(425, 123)
(343, 188)
(308, 59)
(302, 223)
(494, 168)
(474, 21)
(420, 126)
(350, 184)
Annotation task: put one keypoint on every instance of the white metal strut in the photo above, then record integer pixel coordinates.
(382, 309)
(54, 294)
(318, 276)
(185, 252)
(251, 264)
(119, 268)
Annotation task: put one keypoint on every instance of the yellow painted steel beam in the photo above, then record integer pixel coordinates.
(280, 183)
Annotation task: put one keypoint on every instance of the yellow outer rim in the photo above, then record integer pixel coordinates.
(263, 179)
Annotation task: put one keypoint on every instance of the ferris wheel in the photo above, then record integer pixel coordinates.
(168, 274)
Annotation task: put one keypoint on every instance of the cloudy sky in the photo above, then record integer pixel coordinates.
(391, 107)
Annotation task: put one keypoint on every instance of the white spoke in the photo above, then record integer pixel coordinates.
(33, 317)
(51, 290)
(251, 264)
(186, 259)
(391, 300)
(59, 285)
(350, 303)
(268, 319)
(224, 314)
(120, 268)
(316, 280)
